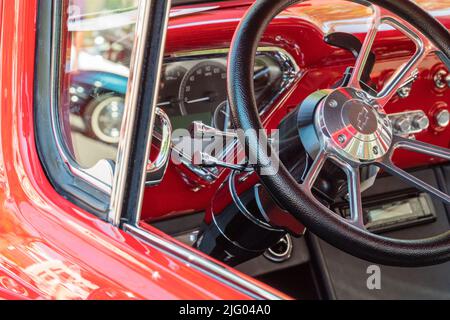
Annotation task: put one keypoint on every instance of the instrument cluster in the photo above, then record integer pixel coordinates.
(194, 87)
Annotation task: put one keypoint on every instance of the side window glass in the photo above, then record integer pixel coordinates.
(96, 52)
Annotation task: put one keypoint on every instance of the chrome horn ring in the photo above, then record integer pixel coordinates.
(351, 124)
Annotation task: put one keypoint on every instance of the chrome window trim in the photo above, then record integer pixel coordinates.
(131, 101)
(202, 264)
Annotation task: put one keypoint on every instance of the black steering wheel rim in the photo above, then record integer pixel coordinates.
(279, 182)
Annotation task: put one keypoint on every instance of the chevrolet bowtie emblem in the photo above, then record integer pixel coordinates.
(363, 119)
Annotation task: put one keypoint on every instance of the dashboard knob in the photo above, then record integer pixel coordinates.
(402, 124)
(441, 79)
(421, 122)
(443, 118)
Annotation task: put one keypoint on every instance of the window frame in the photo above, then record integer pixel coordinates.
(101, 189)
(75, 184)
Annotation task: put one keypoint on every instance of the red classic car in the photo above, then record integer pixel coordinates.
(224, 149)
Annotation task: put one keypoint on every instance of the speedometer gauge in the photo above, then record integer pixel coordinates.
(203, 88)
(168, 92)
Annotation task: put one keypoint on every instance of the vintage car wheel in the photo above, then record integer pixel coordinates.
(103, 117)
(349, 235)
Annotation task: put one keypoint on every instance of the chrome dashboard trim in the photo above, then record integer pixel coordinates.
(157, 169)
(207, 266)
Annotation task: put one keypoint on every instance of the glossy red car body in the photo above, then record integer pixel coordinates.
(51, 249)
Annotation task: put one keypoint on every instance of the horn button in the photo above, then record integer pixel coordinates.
(351, 123)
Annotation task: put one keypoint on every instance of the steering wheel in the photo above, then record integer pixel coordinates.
(351, 129)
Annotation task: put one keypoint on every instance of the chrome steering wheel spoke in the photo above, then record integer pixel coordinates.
(352, 171)
(408, 178)
(409, 69)
(355, 197)
(314, 171)
(405, 72)
(361, 61)
(419, 147)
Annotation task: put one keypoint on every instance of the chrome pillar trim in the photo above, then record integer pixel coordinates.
(205, 265)
(157, 169)
(130, 118)
(137, 59)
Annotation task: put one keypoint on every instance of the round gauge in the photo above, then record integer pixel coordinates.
(222, 117)
(168, 91)
(203, 88)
